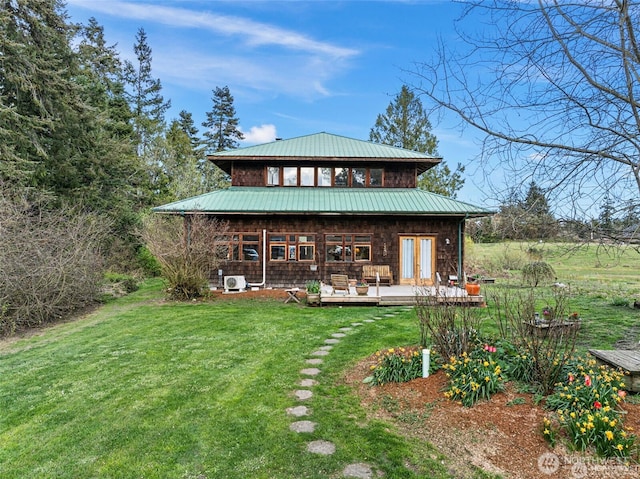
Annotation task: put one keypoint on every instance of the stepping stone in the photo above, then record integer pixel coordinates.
(310, 372)
(346, 328)
(326, 348)
(359, 470)
(390, 315)
(356, 324)
(331, 341)
(314, 361)
(321, 352)
(303, 394)
(298, 411)
(338, 335)
(368, 320)
(303, 426)
(321, 447)
(307, 383)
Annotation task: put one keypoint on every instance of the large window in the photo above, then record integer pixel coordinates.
(359, 177)
(291, 247)
(240, 246)
(347, 247)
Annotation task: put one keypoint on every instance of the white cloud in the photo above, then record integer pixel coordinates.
(231, 50)
(259, 134)
(253, 33)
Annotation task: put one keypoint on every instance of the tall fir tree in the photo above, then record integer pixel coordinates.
(145, 98)
(222, 134)
(39, 101)
(406, 125)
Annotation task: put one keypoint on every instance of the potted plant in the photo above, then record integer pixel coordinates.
(313, 291)
(362, 288)
(473, 288)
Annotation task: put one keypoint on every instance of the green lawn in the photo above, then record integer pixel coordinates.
(144, 388)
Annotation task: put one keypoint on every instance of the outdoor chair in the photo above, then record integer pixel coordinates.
(340, 282)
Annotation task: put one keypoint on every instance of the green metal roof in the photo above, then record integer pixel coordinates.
(325, 145)
(322, 201)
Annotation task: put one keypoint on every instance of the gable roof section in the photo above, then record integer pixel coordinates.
(323, 201)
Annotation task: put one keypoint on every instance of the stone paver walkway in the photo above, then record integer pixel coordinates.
(358, 470)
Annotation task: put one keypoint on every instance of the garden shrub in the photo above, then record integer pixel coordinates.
(50, 261)
(586, 402)
(547, 353)
(537, 272)
(397, 365)
(451, 330)
(188, 249)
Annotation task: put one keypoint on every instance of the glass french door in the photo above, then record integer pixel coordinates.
(417, 260)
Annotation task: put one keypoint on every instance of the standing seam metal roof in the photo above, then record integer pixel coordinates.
(325, 145)
(344, 201)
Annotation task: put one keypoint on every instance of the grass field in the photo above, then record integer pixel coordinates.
(144, 388)
(148, 388)
(602, 284)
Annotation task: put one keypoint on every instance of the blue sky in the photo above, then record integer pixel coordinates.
(293, 67)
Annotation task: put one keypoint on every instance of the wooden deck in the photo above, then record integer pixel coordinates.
(628, 360)
(398, 296)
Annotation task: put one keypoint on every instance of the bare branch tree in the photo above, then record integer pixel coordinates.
(188, 249)
(554, 89)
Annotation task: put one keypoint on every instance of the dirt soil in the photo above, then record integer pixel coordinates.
(501, 436)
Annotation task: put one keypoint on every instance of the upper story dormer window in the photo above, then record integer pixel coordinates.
(345, 177)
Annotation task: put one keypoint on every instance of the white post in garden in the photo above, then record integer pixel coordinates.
(426, 358)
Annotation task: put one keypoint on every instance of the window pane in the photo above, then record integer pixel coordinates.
(273, 175)
(334, 253)
(292, 253)
(306, 176)
(348, 253)
(363, 253)
(278, 238)
(251, 238)
(235, 252)
(358, 177)
(250, 252)
(334, 238)
(363, 239)
(290, 176)
(375, 177)
(277, 252)
(324, 176)
(305, 253)
(341, 176)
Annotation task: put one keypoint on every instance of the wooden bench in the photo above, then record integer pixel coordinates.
(369, 273)
(340, 282)
(628, 360)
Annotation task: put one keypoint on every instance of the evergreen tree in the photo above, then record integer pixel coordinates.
(144, 96)
(222, 125)
(406, 125)
(186, 124)
(182, 163)
(39, 102)
(222, 134)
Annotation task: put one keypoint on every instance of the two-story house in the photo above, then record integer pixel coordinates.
(322, 204)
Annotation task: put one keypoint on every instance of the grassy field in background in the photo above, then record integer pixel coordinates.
(602, 284)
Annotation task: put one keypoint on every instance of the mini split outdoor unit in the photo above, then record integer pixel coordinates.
(234, 283)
